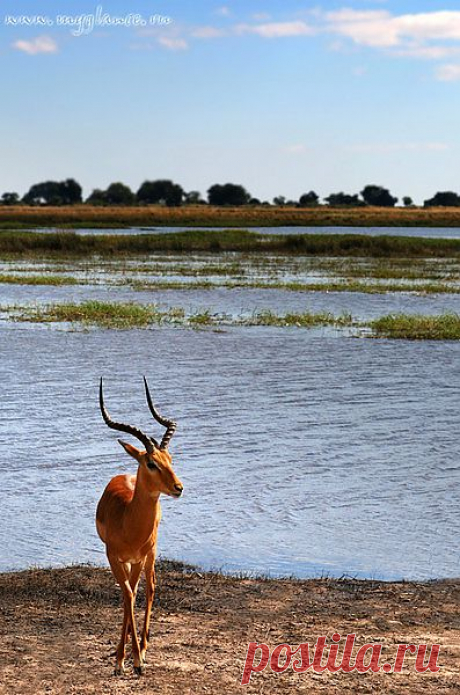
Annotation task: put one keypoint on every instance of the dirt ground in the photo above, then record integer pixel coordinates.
(59, 629)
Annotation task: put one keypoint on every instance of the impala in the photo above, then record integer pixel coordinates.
(127, 519)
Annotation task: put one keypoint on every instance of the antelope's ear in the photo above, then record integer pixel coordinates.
(130, 449)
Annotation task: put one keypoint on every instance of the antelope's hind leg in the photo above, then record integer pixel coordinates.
(127, 577)
(134, 582)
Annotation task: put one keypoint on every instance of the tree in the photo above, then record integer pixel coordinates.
(161, 191)
(66, 192)
(193, 198)
(407, 201)
(308, 200)
(119, 194)
(228, 194)
(343, 200)
(116, 194)
(279, 200)
(378, 196)
(71, 192)
(443, 199)
(97, 197)
(10, 199)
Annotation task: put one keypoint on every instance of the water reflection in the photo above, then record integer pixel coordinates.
(433, 232)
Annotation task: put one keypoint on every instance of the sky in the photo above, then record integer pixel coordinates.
(280, 96)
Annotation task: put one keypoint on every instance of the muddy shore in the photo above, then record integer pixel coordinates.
(59, 629)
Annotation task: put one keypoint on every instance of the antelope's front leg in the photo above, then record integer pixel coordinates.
(149, 595)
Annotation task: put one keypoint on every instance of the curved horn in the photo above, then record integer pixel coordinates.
(169, 424)
(129, 429)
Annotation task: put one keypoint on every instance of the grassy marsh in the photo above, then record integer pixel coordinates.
(125, 316)
(236, 270)
(72, 245)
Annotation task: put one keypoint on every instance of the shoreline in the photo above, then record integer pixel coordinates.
(59, 628)
(185, 568)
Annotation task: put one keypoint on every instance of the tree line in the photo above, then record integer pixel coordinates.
(166, 192)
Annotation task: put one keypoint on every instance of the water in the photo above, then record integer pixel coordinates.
(429, 232)
(301, 452)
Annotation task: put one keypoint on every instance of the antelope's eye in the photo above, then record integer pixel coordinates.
(152, 465)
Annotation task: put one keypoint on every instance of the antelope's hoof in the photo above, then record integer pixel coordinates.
(139, 670)
(119, 670)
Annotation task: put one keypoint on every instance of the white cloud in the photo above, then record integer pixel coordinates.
(379, 28)
(448, 73)
(433, 25)
(369, 28)
(41, 44)
(274, 30)
(173, 43)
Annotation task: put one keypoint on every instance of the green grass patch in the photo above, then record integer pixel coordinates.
(38, 280)
(203, 319)
(305, 319)
(93, 313)
(418, 327)
(369, 287)
(328, 286)
(141, 285)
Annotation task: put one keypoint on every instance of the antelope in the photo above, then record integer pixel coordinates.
(127, 520)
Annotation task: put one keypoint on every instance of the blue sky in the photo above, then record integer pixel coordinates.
(281, 96)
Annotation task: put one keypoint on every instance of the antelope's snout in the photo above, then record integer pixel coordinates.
(178, 489)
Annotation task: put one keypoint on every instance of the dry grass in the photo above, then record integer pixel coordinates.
(93, 216)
